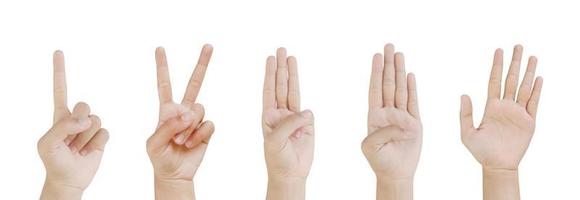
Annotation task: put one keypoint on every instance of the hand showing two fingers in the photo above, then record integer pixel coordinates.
(72, 149)
(177, 147)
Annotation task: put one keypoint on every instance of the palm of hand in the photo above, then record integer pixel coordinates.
(294, 157)
(398, 155)
(176, 161)
(504, 135)
(71, 168)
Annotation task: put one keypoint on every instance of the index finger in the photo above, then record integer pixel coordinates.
(59, 86)
(197, 77)
(163, 82)
(376, 85)
(269, 93)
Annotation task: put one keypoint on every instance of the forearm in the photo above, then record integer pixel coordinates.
(286, 189)
(500, 184)
(174, 189)
(52, 191)
(388, 189)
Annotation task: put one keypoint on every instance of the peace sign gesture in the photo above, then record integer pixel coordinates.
(72, 149)
(177, 147)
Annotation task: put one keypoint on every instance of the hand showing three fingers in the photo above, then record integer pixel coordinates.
(177, 147)
(72, 149)
(288, 131)
(393, 144)
(508, 124)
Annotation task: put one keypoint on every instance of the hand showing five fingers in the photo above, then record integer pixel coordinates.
(72, 149)
(393, 144)
(288, 131)
(508, 124)
(177, 147)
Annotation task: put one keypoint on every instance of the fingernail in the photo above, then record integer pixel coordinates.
(84, 123)
(189, 144)
(83, 152)
(73, 149)
(68, 140)
(179, 138)
(299, 134)
(306, 113)
(186, 117)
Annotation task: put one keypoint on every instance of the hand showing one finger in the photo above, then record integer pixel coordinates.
(72, 149)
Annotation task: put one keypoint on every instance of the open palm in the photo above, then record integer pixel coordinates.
(288, 132)
(508, 124)
(177, 147)
(393, 144)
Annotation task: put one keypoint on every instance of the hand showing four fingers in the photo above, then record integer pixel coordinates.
(393, 144)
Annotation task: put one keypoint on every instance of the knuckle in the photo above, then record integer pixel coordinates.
(293, 93)
(163, 85)
(512, 76)
(194, 83)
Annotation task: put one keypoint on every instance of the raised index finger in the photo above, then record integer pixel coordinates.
(163, 82)
(197, 77)
(59, 87)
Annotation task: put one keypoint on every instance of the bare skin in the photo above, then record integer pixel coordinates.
(288, 131)
(502, 138)
(393, 144)
(177, 147)
(72, 149)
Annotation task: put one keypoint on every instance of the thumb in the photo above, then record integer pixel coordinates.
(377, 139)
(165, 132)
(466, 114)
(292, 123)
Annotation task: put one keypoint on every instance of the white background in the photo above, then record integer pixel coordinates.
(109, 48)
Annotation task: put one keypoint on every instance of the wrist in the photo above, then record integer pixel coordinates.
(500, 175)
(277, 180)
(500, 184)
(286, 188)
(394, 188)
(388, 181)
(56, 190)
(169, 188)
(490, 172)
(391, 179)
